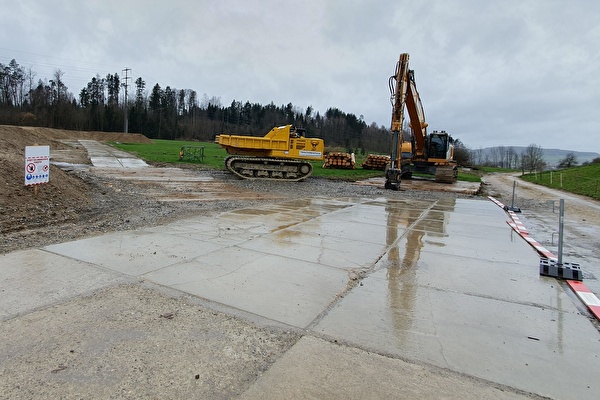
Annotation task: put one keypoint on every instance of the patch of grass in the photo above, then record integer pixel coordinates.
(584, 180)
(344, 174)
(167, 151)
(468, 176)
(493, 169)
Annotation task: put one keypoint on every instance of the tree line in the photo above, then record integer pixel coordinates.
(529, 159)
(166, 112)
(170, 113)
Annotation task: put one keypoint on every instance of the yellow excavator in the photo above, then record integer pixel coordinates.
(426, 153)
(282, 154)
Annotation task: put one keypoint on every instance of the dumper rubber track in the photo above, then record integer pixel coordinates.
(277, 169)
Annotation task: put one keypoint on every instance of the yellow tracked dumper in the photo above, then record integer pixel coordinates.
(282, 154)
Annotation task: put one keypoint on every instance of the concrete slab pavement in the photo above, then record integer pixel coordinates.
(443, 285)
(32, 279)
(318, 369)
(163, 184)
(103, 156)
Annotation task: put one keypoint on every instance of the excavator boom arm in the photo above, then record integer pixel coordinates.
(405, 95)
(416, 114)
(399, 89)
(431, 153)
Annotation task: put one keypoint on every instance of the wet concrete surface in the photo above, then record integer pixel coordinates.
(443, 283)
(427, 184)
(539, 214)
(433, 298)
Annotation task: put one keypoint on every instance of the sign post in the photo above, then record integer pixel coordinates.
(37, 165)
(556, 268)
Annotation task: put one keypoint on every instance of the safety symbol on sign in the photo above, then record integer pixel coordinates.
(37, 164)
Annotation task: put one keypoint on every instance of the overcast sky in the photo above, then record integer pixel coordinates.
(510, 72)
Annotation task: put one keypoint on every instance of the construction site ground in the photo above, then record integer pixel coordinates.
(127, 281)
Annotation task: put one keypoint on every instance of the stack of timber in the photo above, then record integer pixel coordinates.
(375, 161)
(339, 161)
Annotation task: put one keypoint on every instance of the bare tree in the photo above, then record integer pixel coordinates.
(511, 158)
(477, 156)
(502, 156)
(532, 158)
(12, 79)
(60, 92)
(569, 161)
(462, 154)
(495, 156)
(30, 79)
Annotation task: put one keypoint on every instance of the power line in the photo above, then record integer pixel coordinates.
(126, 84)
(77, 71)
(57, 58)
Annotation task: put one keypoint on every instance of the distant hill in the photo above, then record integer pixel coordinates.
(551, 156)
(554, 156)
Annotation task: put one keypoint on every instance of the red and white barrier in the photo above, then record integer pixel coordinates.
(518, 227)
(583, 293)
(587, 297)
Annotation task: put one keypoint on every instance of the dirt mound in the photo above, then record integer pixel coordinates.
(65, 196)
(15, 138)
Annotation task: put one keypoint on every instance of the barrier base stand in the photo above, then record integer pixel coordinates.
(553, 269)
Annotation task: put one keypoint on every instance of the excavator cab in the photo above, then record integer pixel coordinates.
(438, 146)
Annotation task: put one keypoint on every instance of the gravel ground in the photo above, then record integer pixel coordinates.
(82, 202)
(116, 205)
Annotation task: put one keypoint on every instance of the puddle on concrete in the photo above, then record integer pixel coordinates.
(253, 212)
(426, 185)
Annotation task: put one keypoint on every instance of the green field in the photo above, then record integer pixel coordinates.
(167, 151)
(584, 180)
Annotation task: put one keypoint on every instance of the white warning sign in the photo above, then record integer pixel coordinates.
(37, 165)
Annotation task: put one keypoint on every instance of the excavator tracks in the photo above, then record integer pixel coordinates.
(277, 169)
